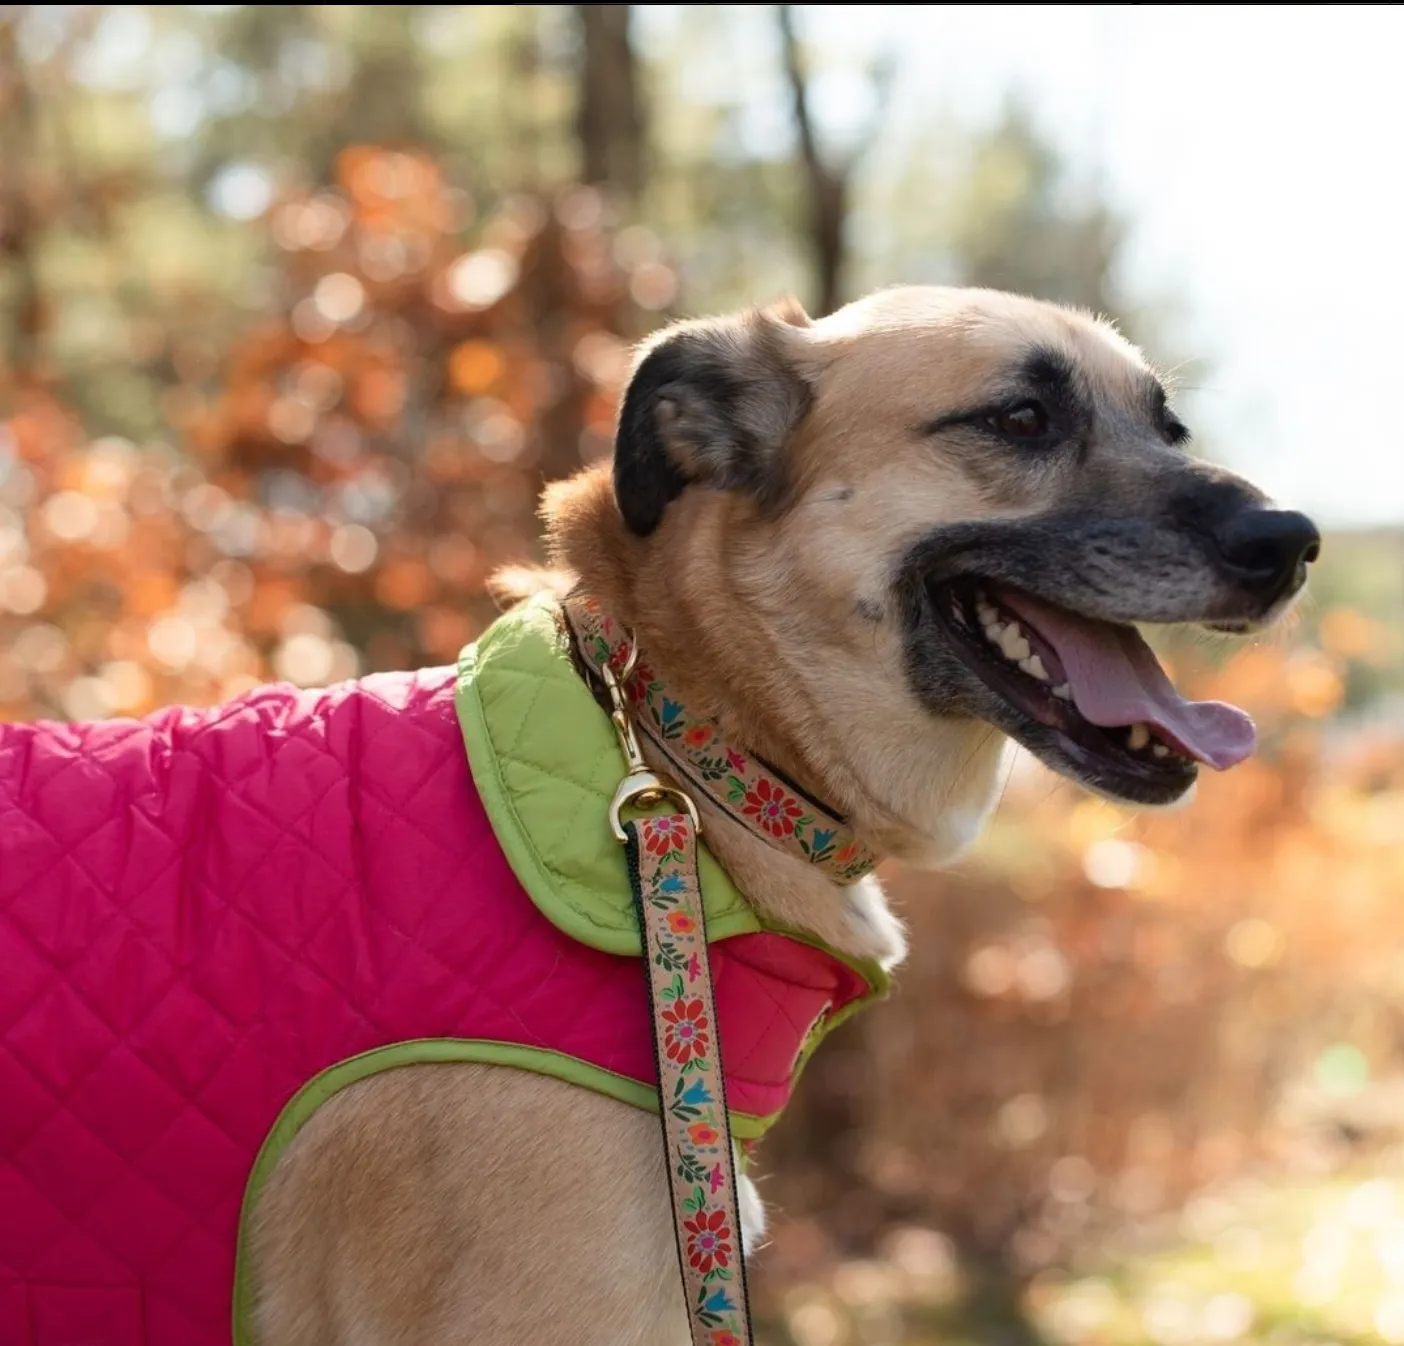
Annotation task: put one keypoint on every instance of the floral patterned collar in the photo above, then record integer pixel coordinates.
(743, 786)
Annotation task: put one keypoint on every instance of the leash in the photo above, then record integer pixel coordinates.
(667, 889)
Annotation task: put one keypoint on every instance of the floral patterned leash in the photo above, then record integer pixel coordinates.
(667, 888)
(691, 1092)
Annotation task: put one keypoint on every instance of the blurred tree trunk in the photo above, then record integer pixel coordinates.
(828, 178)
(382, 104)
(826, 187)
(609, 121)
(992, 1303)
(520, 113)
(17, 223)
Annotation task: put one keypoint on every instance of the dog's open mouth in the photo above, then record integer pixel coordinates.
(1094, 687)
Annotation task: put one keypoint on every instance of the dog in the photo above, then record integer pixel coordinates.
(870, 550)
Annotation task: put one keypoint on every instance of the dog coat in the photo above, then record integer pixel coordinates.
(212, 920)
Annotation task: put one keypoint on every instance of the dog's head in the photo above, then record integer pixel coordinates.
(937, 511)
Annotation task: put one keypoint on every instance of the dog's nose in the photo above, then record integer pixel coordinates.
(1269, 548)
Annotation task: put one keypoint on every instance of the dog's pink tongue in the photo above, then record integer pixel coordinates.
(1115, 679)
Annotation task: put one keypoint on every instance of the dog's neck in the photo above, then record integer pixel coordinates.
(753, 792)
(597, 556)
(763, 829)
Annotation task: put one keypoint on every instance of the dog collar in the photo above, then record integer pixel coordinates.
(744, 786)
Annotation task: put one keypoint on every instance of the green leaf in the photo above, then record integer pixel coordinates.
(670, 960)
(690, 1170)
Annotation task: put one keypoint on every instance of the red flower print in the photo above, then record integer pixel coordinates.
(723, 1336)
(734, 760)
(662, 835)
(699, 735)
(641, 681)
(703, 1133)
(680, 923)
(685, 1036)
(847, 853)
(772, 808)
(708, 1240)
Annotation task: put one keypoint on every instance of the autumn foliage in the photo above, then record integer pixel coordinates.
(339, 483)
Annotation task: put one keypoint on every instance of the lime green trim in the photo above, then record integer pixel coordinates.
(425, 1051)
(551, 814)
(552, 820)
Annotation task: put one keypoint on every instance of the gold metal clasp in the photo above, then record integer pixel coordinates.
(640, 787)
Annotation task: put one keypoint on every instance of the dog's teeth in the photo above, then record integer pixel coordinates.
(1138, 737)
(987, 612)
(1160, 749)
(1063, 692)
(1033, 666)
(1013, 644)
(994, 632)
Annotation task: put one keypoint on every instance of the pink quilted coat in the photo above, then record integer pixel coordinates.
(201, 911)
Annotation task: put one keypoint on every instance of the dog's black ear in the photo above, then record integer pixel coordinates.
(714, 403)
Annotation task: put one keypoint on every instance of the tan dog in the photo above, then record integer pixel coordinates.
(873, 546)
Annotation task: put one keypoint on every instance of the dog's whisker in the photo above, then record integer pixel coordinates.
(1004, 789)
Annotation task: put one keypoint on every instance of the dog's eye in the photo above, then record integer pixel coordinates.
(1028, 420)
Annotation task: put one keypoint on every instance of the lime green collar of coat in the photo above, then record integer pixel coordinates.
(546, 761)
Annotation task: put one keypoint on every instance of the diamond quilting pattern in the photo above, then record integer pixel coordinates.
(201, 911)
(197, 913)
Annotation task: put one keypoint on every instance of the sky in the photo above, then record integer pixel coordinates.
(1259, 151)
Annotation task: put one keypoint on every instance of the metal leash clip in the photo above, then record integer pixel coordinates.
(641, 787)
